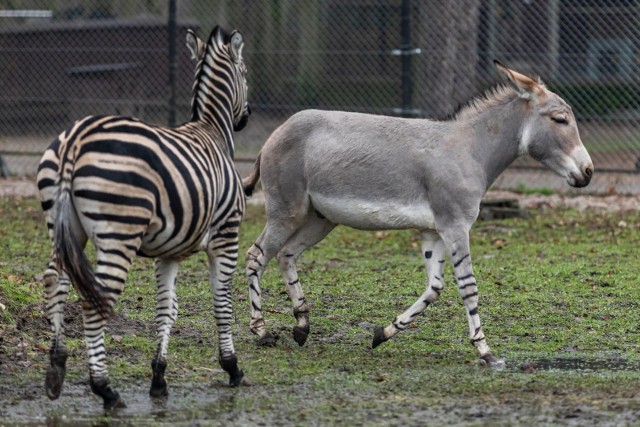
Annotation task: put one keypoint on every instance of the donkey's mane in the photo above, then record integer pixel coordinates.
(498, 95)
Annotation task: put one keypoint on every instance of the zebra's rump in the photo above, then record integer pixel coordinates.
(163, 190)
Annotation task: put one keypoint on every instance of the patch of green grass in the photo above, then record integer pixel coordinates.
(522, 188)
(560, 283)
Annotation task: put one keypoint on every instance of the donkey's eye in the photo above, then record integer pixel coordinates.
(559, 119)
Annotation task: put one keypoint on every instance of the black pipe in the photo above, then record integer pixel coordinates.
(405, 49)
(172, 63)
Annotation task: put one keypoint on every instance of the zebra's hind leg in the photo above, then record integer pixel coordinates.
(311, 232)
(433, 252)
(166, 314)
(56, 293)
(223, 257)
(112, 267)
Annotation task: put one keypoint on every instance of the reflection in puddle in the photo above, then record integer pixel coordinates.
(569, 364)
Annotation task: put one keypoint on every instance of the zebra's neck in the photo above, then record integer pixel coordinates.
(215, 110)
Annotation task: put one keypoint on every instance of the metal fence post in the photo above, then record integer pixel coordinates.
(407, 86)
(406, 52)
(172, 63)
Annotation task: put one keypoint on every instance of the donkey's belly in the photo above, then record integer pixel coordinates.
(374, 215)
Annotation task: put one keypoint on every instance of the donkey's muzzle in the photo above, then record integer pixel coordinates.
(585, 179)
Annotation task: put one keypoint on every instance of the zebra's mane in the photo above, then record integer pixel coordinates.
(211, 50)
(500, 94)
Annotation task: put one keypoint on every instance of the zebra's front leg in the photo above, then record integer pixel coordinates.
(433, 253)
(166, 315)
(256, 263)
(463, 270)
(56, 294)
(222, 265)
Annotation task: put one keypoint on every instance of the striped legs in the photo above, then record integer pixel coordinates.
(166, 315)
(256, 262)
(433, 253)
(311, 232)
(223, 257)
(458, 247)
(56, 293)
(112, 267)
(288, 245)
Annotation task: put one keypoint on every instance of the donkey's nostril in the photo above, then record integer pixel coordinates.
(588, 172)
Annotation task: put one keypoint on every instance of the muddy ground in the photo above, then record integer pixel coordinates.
(398, 384)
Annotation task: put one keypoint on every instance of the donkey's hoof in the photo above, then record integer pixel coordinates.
(378, 337)
(267, 341)
(114, 402)
(54, 380)
(492, 361)
(300, 335)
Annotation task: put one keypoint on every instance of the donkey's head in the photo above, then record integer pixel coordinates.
(549, 132)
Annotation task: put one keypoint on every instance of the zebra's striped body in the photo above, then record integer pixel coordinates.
(137, 189)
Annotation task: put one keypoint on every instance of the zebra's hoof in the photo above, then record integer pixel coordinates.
(235, 380)
(493, 362)
(267, 341)
(230, 365)
(56, 372)
(159, 389)
(378, 337)
(300, 335)
(54, 380)
(158, 383)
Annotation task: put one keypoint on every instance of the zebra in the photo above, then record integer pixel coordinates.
(324, 168)
(134, 188)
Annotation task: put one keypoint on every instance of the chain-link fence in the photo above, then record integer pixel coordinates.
(65, 59)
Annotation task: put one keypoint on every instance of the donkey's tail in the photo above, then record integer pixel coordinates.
(249, 183)
(70, 256)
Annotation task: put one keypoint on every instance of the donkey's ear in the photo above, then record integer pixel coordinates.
(525, 85)
(195, 44)
(237, 43)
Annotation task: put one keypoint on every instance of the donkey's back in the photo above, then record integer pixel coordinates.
(359, 170)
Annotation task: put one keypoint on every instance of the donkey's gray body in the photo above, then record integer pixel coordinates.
(324, 168)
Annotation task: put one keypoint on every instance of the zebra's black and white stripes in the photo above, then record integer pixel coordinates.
(137, 189)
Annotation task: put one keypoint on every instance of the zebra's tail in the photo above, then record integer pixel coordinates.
(249, 183)
(71, 258)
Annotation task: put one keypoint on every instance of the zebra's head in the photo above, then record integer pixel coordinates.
(220, 82)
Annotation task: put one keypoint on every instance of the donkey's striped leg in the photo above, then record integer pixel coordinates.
(166, 315)
(265, 247)
(468, 289)
(223, 257)
(311, 232)
(256, 262)
(56, 294)
(433, 254)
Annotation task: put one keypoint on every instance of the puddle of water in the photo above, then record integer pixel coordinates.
(574, 364)
(78, 406)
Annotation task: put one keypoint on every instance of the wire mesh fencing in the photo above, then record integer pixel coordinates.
(411, 58)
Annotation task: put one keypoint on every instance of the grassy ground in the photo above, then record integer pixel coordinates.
(559, 301)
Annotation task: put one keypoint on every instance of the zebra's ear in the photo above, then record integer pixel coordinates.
(525, 85)
(237, 43)
(195, 44)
